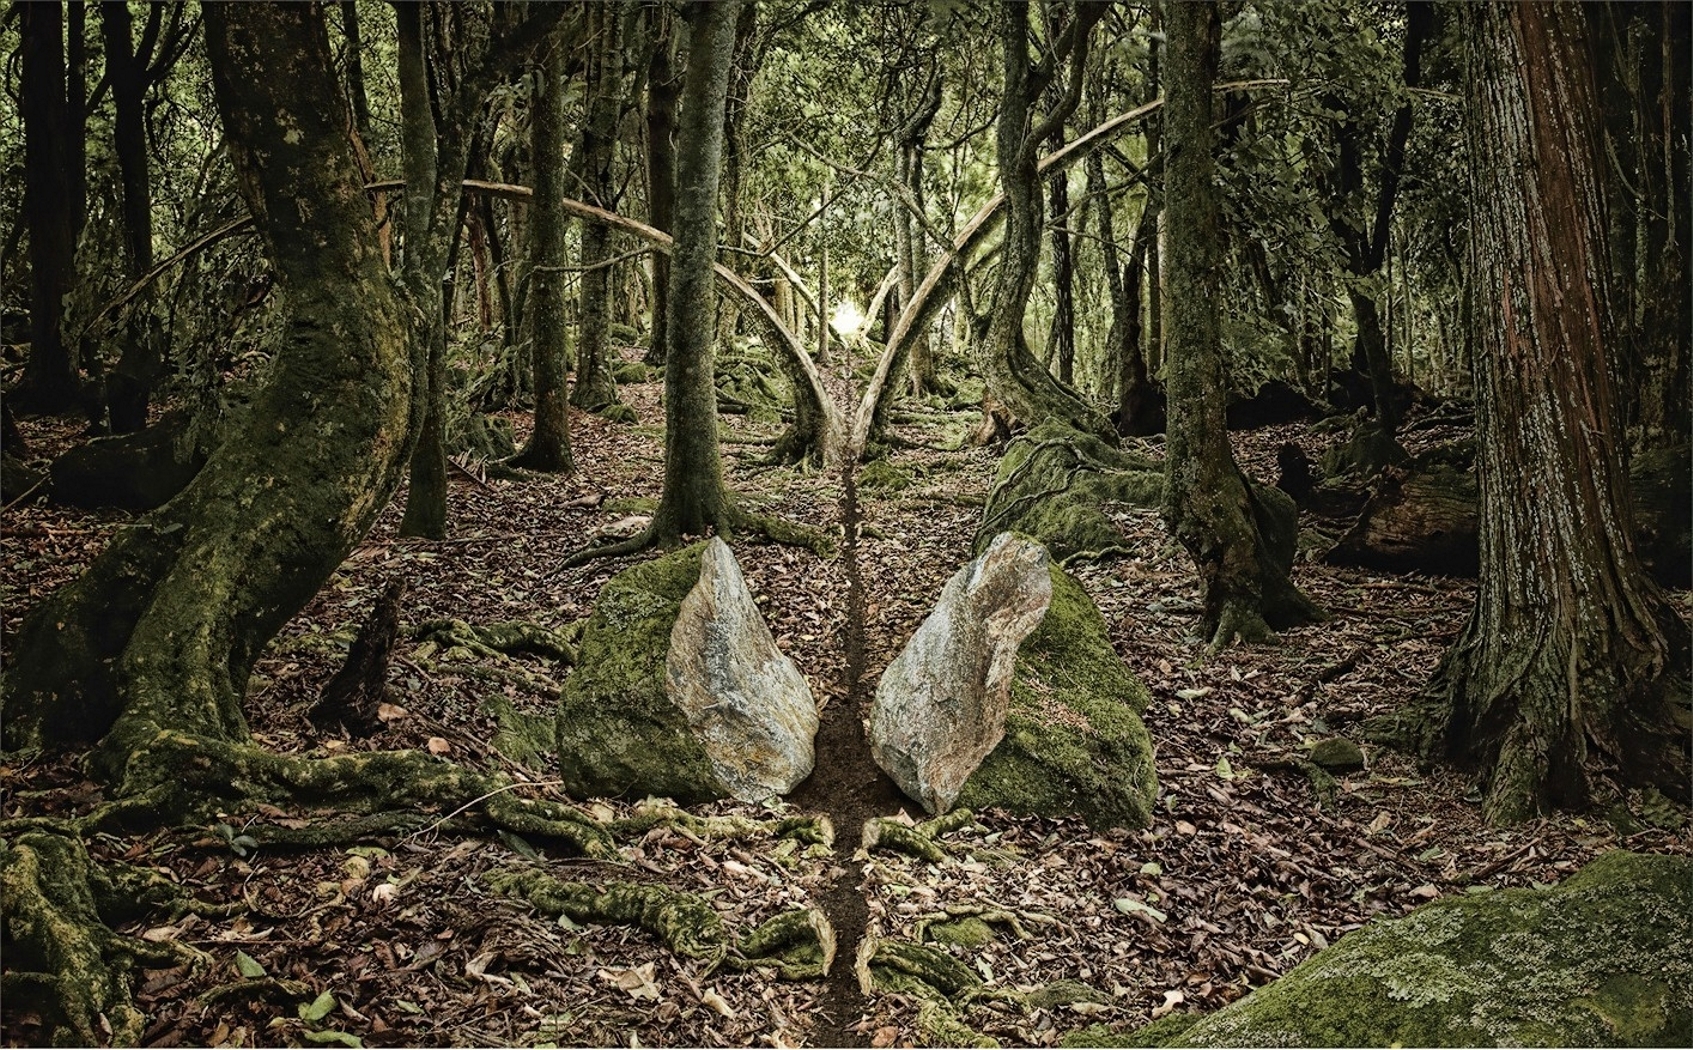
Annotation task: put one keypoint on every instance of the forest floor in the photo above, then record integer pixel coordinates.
(1241, 876)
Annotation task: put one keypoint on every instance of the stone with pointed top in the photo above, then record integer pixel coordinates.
(748, 705)
(941, 705)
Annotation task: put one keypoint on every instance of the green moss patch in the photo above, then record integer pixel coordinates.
(1053, 484)
(1074, 741)
(1604, 959)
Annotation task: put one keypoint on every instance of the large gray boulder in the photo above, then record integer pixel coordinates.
(1603, 959)
(680, 691)
(941, 705)
(745, 701)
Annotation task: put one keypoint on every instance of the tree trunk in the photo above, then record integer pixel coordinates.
(1238, 533)
(749, 50)
(129, 387)
(162, 629)
(694, 498)
(1061, 337)
(435, 155)
(1015, 380)
(53, 162)
(662, 93)
(595, 387)
(548, 448)
(1571, 657)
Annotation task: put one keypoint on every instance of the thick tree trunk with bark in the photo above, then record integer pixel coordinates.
(1237, 531)
(1571, 658)
(694, 499)
(548, 448)
(157, 637)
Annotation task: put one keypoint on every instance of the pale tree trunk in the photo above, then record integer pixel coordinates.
(1240, 534)
(1571, 659)
(162, 629)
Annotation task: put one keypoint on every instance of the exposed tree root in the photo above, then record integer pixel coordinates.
(807, 829)
(65, 965)
(921, 840)
(494, 639)
(797, 944)
(740, 522)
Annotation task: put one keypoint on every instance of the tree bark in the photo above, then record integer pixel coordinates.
(157, 637)
(1571, 658)
(1232, 528)
(435, 155)
(1015, 379)
(53, 164)
(662, 93)
(694, 498)
(595, 387)
(548, 448)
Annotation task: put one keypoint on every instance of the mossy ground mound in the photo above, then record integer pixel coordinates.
(618, 731)
(1053, 484)
(1074, 742)
(1604, 959)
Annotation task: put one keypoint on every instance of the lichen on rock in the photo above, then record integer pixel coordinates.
(1604, 959)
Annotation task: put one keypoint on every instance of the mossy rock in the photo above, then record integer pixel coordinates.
(1074, 742)
(1339, 754)
(618, 730)
(1053, 483)
(626, 372)
(881, 474)
(1604, 959)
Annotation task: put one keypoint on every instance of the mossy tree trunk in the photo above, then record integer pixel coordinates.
(435, 153)
(1221, 517)
(1571, 656)
(662, 94)
(157, 637)
(595, 387)
(548, 448)
(694, 498)
(1016, 380)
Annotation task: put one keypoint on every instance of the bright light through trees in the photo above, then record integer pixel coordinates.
(847, 318)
